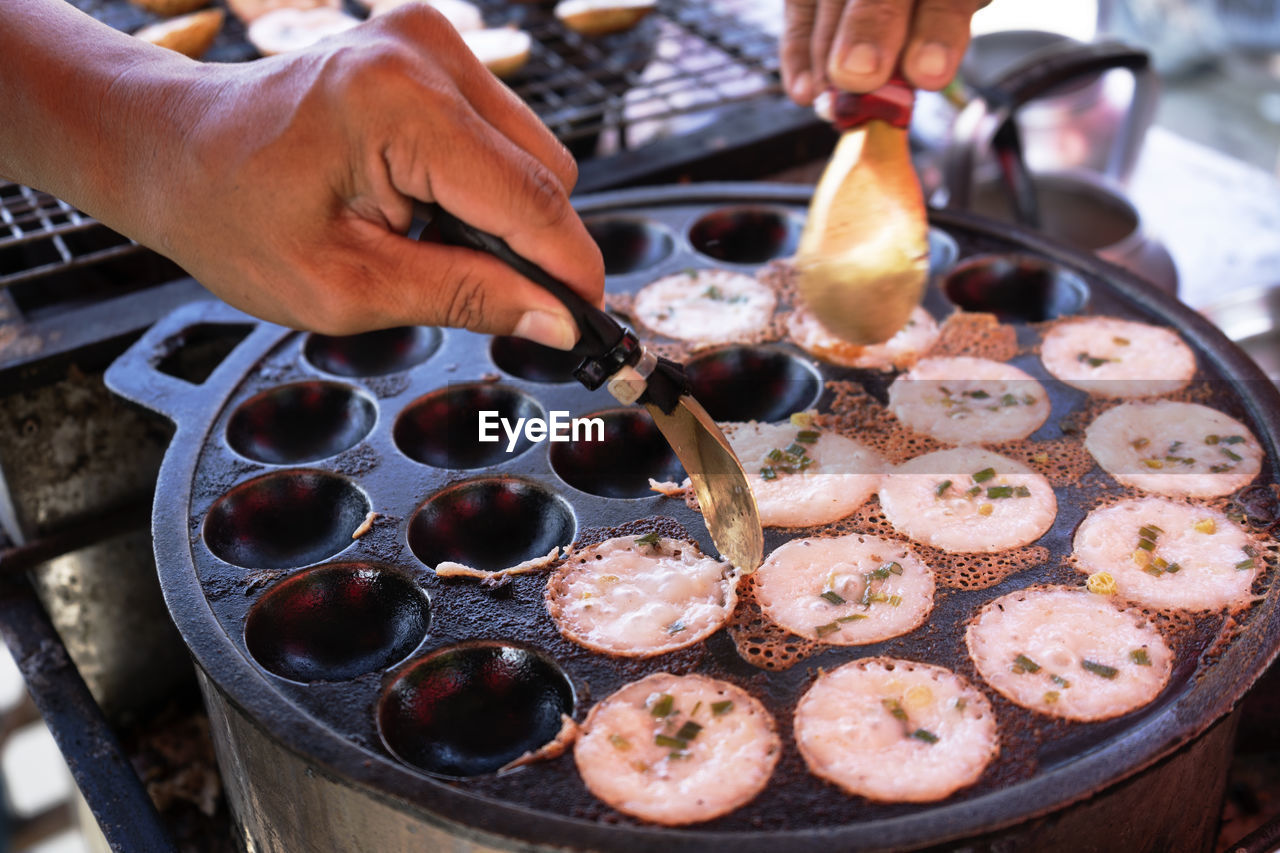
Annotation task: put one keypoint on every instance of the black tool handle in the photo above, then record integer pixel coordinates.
(600, 332)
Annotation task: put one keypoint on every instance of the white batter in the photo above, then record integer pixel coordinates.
(1068, 653)
(1175, 449)
(896, 731)
(965, 400)
(639, 596)
(631, 753)
(1117, 358)
(706, 306)
(901, 350)
(968, 500)
(1167, 554)
(846, 590)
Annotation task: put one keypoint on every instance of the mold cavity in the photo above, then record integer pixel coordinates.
(531, 361)
(196, 352)
(490, 524)
(1016, 288)
(443, 428)
(373, 353)
(630, 245)
(336, 622)
(284, 520)
(742, 383)
(301, 422)
(633, 450)
(746, 235)
(469, 709)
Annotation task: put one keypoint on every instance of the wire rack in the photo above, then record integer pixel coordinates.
(673, 74)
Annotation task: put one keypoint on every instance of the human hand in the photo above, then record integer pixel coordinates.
(856, 45)
(294, 182)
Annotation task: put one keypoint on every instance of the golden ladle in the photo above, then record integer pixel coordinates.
(863, 259)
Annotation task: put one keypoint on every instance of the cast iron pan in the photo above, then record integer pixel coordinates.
(266, 477)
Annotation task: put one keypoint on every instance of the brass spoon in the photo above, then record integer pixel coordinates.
(863, 259)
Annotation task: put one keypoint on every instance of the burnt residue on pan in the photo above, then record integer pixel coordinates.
(255, 526)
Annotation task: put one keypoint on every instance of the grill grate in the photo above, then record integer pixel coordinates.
(670, 75)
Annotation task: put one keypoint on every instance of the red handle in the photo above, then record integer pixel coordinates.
(891, 103)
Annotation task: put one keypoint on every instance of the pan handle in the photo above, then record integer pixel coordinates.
(139, 373)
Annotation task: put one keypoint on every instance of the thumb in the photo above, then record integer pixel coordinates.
(451, 286)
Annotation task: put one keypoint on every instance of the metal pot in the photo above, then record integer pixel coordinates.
(309, 761)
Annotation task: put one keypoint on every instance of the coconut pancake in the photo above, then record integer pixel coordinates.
(1176, 449)
(803, 476)
(901, 350)
(1117, 358)
(1167, 554)
(846, 590)
(968, 500)
(965, 400)
(895, 730)
(677, 749)
(706, 306)
(1069, 653)
(639, 596)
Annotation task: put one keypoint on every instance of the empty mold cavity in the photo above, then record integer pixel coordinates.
(742, 383)
(336, 622)
(490, 524)
(471, 709)
(620, 465)
(630, 245)
(373, 353)
(285, 520)
(443, 428)
(301, 422)
(746, 235)
(532, 361)
(1016, 288)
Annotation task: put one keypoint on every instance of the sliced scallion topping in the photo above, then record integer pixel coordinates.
(649, 539)
(894, 707)
(942, 488)
(824, 630)
(1232, 439)
(1100, 669)
(977, 395)
(833, 597)
(894, 567)
(669, 741)
(895, 600)
(796, 449)
(1140, 657)
(1059, 680)
(807, 436)
(1139, 443)
(1022, 664)
(804, 420)
(619, 742)
(768, 474)
(1008, 400)
(1231, 454)
(1119, 341)
(1000, 491)
(663, 705)
(696, 706)
(1150, 531)
(852, 617)
(925, 735)
(1021, 492)
(1245, 564)
(724, 707)
(984, 475)
(1173, 568)
(961, 703)
(688, 731)
(1051, 696)
(676, 627)
(974, 492)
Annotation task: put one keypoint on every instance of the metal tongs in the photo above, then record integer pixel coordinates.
(615, 358)
(863, 259)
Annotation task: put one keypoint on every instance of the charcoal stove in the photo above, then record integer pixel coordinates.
(317, 738)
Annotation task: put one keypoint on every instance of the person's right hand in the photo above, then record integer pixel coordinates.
(289, 182)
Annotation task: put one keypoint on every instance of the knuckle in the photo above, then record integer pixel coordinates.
(544, 196)
(466, 308)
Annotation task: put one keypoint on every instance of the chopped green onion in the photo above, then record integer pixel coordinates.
(895, 600)
(807, 436)
(1211, 439)
(925, 735)
(1173, 568)
(718, 708)
(1232, 455)
(1146, 545)
(974, 492)
(1021, 492)
(669, 741)
(984, 475)
(688, 731)
(894, 707)
(804, 420)
(1232, 439)
(880, 573)
(774, 455)
(1139, 443)
(894, 567)
(1051, 696)
(1124, 342)
(1022, 663)
(619, 742)
(768, 474)
(852, 617)
(1150, 531)
(663, 705)
(942, 488)
(675, 627)
(824, 630)
(1139, 656)
(832, 596)
(713, 292)
(796, 449)
(1100, 669)
(1008, 400)
(1218, 469)
(1245, 564)
(696, 706)
(650, 539)
(961, 703)
(1059, 680)
(1000, 491)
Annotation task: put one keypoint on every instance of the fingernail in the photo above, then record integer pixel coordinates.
(862, 58)
(800, 86)
(553, 330)
(931, 60)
